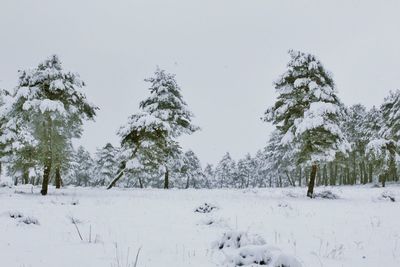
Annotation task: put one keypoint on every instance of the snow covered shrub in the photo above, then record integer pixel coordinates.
(388, 195)
(249, 255)
(234, 240)
(327, 194)
(15, 214)
(205, 208)
(30, 220)
(285, 260)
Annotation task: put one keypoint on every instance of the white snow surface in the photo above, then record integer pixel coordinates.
(358, 229)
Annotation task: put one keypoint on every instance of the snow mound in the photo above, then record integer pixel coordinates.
(244, 249)
(285, 260)
(327, 194)
(250, 255)
(29, 221)
(206, 208)
(15, 214)
(264, 255)
(388, 196)
(235, 240)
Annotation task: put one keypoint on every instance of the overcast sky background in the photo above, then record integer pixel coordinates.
(226, 54)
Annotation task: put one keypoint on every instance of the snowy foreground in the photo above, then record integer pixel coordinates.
(269, 226)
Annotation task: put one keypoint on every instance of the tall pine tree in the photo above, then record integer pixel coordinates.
(308, 113)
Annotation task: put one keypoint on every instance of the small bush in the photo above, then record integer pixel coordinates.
(327, 194)
(236, 240)
(30, 220)
(15, 214)
(387, 195)
(205, 208)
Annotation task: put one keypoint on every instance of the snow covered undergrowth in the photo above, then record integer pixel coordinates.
(358, 229)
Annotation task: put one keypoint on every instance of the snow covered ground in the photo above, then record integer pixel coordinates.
(359, 229)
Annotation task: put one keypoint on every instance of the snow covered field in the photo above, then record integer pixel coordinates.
(359, 229)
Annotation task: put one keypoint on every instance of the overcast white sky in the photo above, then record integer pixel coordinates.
(226, 54)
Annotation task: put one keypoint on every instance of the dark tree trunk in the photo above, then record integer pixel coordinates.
(166, 179)
(354, 176)
(140, 182)
(383, 180)
(310, 191)
(300, 176)
(187, 183)
(46, 177)
(362, 173)
(325, 174)
(25, 176)
(334, 179)
(48, 158)
(370, 171)
(115, 180)
(58, 178)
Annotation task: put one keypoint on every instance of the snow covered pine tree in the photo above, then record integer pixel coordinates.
(308, 112)
(152, 133)
(49, 103)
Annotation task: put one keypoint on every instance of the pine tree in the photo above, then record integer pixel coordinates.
(150, 136)
(192, 170)
(353, 129)
(82, 168)
(383, 149)
(166, 103)
(391, 116)
(308, 113)
(106, 164)
(144, 140)
(225, 172)
(209, 177)
(5, 99)
(49, 103)
(245, 171)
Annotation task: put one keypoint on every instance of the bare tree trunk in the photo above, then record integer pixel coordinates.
(291, 183)
(383, 179)
(187, 182)
(115, 180)
(58, 178)
(140, 182)
(310, 191)
(48, 158)
(300, 177)
(46, 176)
(25, 176)
(325, 175)
(166, 179)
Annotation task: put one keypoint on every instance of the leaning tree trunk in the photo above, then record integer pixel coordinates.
(48, 158)
(115, 180)
(310, 191)
(166, 179)
(58, 178)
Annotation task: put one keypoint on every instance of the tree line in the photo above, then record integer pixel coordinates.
(317, 139)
